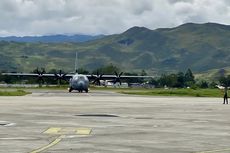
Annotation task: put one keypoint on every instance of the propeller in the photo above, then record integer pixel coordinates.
(40, 75)
(117, 78)
(60, 76)
(97, 78)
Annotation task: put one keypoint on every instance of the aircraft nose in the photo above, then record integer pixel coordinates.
(81, 84)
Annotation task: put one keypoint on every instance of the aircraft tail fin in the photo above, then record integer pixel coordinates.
(76, 68)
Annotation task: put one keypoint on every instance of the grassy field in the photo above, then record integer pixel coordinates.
(176, 92)
(13, 93)
(134, 91)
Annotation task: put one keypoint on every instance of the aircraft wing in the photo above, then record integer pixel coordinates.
(25, 74)
(136, 76)
(123, 76)
(70, 75)
(34, 74)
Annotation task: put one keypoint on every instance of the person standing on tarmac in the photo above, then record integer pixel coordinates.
(225, 95)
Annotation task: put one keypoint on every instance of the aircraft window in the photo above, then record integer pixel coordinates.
(81, 77)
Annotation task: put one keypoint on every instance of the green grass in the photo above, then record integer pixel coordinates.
(135, 91)
(14, 93)
(62, 87)
(165, 92)
(176, 92)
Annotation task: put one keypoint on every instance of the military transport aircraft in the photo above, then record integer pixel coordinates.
(79, 82)
(76, 81)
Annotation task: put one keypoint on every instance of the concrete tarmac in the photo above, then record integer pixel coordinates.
(106, 122)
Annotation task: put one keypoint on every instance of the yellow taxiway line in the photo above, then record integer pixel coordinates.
(67, 131)
(56, 141)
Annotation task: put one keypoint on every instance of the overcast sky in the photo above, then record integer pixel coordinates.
(45, 17)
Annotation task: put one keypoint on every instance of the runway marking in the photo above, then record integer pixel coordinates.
(215, 151)
(62, 132)
(56, 141)
(83, 131)
(66, 131)
(52, 131)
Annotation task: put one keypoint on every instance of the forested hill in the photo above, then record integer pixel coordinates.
(201, 47)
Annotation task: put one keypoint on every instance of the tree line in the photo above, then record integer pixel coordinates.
(187, 80)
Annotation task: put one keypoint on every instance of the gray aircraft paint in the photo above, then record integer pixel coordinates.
(79, 82)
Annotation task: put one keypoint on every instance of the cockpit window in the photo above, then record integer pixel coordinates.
(81, 77)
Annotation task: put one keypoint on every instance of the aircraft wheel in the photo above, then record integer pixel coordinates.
(70, 89)
(86, 90)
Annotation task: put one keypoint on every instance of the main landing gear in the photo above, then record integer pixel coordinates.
(86, 91)
(71, 89)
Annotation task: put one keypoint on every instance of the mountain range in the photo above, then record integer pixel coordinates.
(200, 47)
(52, 38)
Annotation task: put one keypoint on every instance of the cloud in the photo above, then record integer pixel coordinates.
(42, 17)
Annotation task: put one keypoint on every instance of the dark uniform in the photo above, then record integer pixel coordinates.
(225, 95)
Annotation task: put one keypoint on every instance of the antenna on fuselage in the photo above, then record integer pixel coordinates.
(76, 68)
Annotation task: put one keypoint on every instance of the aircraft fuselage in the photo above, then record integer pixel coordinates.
(79, 82)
